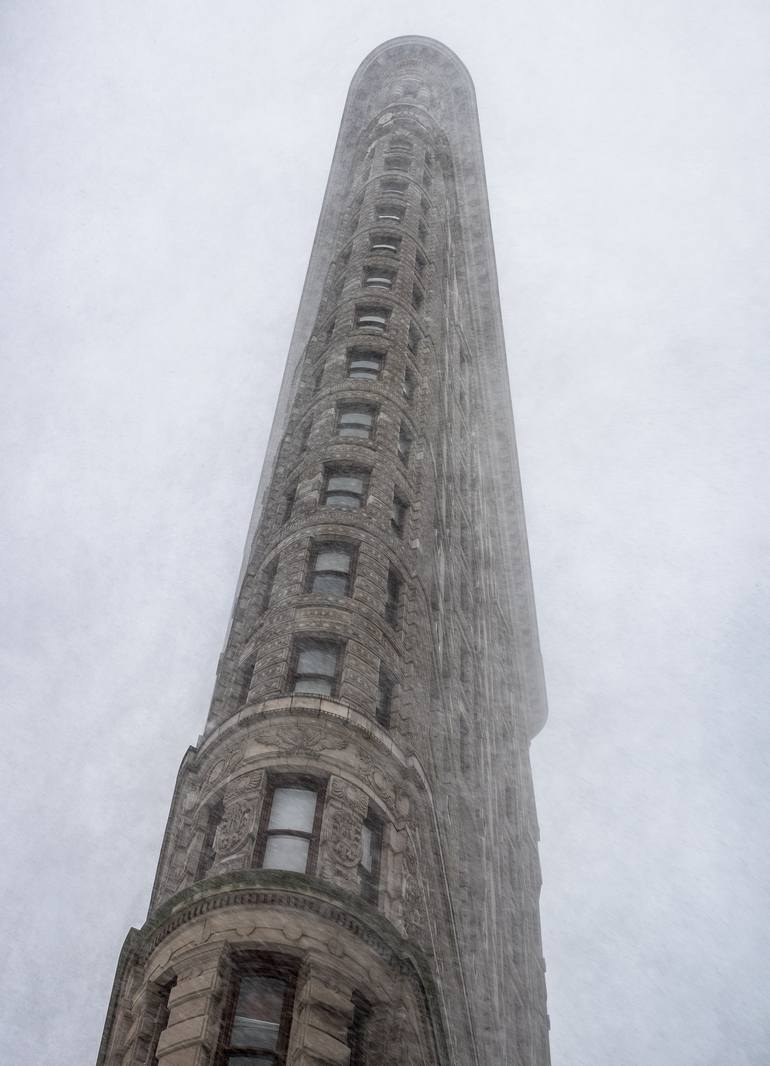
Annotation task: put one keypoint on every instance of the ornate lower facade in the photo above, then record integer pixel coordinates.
(349, 874)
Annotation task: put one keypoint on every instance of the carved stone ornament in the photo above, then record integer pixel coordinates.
(293, 739)
(346, 808)
(234, 828)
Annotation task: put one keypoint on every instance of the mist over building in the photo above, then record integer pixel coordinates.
(350, 869)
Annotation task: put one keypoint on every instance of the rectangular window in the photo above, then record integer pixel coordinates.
(385, 686)
(427, 178)
(287, 840)
(419, 265)
(259, 1016)
(379, 277)
(424, 206)
(304, 435)
(404, 443)
(413, 338)
(365, 365)
(418, 298)
(392, 184)
(373, 319)
(393, 598)
(289, 501)
(356, 420)
(345, 487)
(397, 162)
(214, 815)
(357, 1032)
(389, 212)
(268, 579)
(315, 667)
(400, 144)
(243, 680)
(331, 569)
(371, 848)
(398, 514)
(409, 384)
(422, 231)
(384, 244)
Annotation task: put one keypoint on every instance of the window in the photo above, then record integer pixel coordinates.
(400, 144)
(289, 825)
(384, 244)
(304, 435)
(259, 1015)
(315, 667)
(318, 378)
(427, 178)
(389, 212)
(409, 384)
(373, 319)
(398, 514)
(385, 686)
(365, 365)
(357, 1032)
(424, 205)
(289, 501)
(413, 338)
(371, 847)
(393, 598)
(214, 815)
(345, 487)
(268, 579)
(397, 162)
(418, 298)
(331, 569)
(428, 159)
(158, 997)
(379, 277)
(422, 231)
(356, 420)
(243, 681)
(330, 329)
(419, 265)
(391, 184)
(404, 443)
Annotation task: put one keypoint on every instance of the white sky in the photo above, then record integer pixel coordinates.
(164, 169)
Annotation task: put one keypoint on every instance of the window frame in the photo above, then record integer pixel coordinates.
(276, 780)
(409, 383)
(394, 604)
(248, 964)
(372, 318)
(405, 442)
(353, 407)
(381, 209)
(400, 508)
(317, 548)
(370, 880)
(301, 643)
(369, 355)
(345, 470)
(384, 244)
(386, 683)
(376, 277)
(393, 185)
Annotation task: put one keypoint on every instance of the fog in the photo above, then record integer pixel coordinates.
(163, 174)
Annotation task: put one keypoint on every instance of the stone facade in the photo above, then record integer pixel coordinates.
(381, 670)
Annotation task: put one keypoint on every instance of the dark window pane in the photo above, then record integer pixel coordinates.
(330, 584)
(258, 1013)
(346, 483)
(332, 559)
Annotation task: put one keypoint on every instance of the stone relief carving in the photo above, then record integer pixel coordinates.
(301, 739)
(340, 845)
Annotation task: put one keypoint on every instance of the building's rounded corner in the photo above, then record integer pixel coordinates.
(407, 43)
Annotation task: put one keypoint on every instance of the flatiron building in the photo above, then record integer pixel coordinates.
(350, 872)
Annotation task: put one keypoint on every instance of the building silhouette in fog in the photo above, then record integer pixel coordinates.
(350, 870)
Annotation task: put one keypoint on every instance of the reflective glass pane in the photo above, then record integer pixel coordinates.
(317, 659)
(331, 584)
(316, 686)
(333, 559)
(346, 483)
(293, 808)
(258, 1013)
(286, 853)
